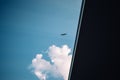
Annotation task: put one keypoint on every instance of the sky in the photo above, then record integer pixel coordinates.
(30, 39)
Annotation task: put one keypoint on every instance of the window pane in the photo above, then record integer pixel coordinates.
(37, 38)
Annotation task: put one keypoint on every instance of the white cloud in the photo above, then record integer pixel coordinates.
(58, 66)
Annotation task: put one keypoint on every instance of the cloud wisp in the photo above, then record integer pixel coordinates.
(57, 66)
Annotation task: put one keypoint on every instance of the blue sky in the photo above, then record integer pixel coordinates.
(29, 27)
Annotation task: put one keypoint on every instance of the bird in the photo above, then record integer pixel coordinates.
(63, 34)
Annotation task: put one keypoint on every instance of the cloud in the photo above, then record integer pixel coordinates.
(57, 66)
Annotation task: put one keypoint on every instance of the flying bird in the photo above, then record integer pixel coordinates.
(63, 34)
